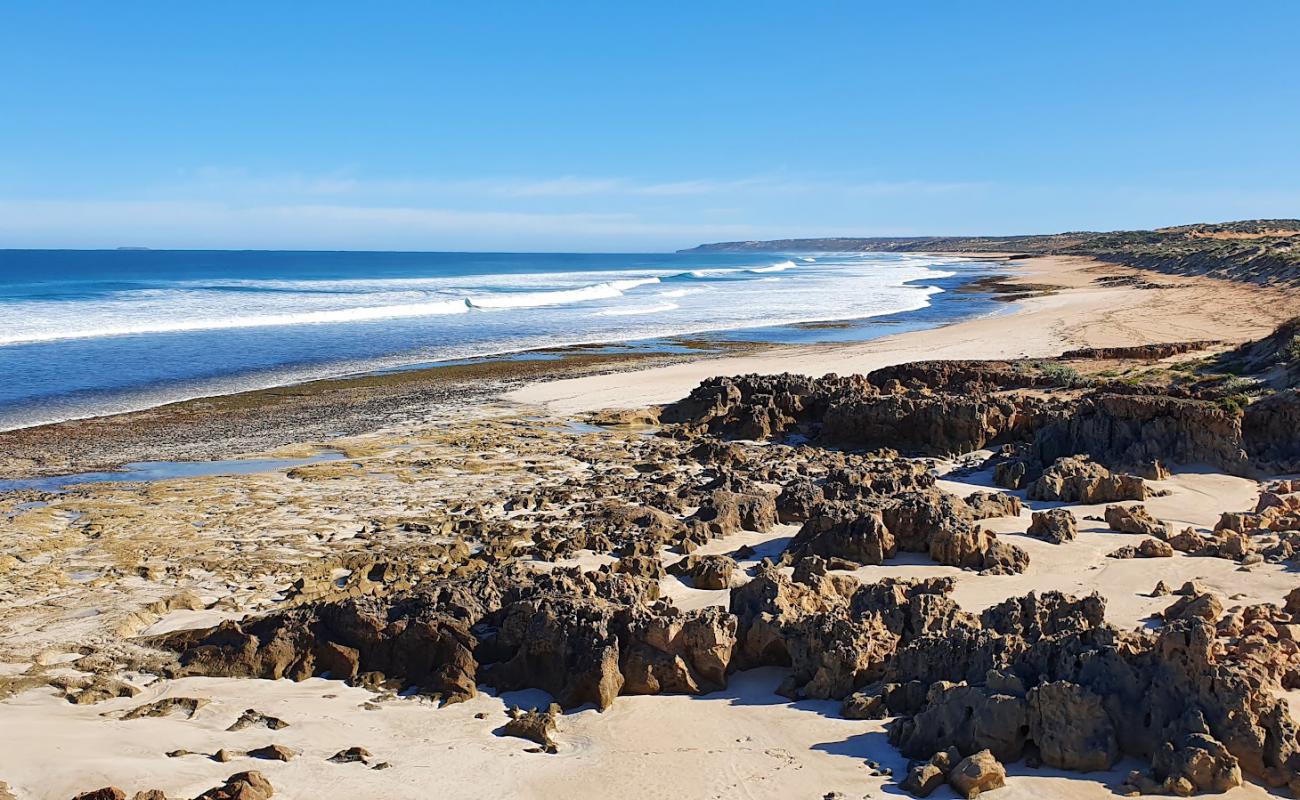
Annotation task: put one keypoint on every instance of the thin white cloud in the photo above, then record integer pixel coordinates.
(239, 182)
(195, 224)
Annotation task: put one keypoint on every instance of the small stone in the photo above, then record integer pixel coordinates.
(273, 752)
(350, 756)
(252, 717)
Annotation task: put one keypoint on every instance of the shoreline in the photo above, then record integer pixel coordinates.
(1061, 307)
(264, 421)
(74, 396)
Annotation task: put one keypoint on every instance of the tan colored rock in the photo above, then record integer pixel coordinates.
(273, 752)
(977, 774)
(251, 785)
(1075, 479)
(1154, 548)
(1055, 525)
(534, 725)
(1136, 520)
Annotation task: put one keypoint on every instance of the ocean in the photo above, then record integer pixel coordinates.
(84, 333)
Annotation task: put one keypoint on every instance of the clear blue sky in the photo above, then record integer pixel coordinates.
(636, 126)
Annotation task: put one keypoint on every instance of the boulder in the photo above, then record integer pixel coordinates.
(985, 505)
(1075, 479)
(976, 774)
(273, 752)
(534, 725)
(251, 785)
(926, 776)
(1135, 520)
(706, 572)
(1154, 548)
(1055, 525)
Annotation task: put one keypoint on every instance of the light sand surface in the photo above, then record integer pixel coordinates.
(743, 742)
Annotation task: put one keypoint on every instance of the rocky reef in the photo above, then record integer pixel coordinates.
(835, 477)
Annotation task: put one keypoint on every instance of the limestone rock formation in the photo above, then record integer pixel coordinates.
(1136, 520)
(534, 725)
(1056, 525)
(706, 572)
(251, 785)
(1079, 480)
(977, 773)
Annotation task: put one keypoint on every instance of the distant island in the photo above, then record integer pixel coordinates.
(1265, 251)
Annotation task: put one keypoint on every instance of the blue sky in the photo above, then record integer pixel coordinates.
(635, 126)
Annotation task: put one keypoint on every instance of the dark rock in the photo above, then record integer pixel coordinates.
(1055, 525)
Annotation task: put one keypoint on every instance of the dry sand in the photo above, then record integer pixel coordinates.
(744, 742)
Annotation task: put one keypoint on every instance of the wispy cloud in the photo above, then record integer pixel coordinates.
(342, 183)
(215, 206)
(197, 224)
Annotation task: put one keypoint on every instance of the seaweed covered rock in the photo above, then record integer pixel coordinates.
(759, 406)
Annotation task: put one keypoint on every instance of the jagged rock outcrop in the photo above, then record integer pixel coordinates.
(1078, 480)
(929, 521)
(1136, 520)
(1084, 694)
(1268, 429)
(1070, 725)
(706, 572)
(834, 633)
(1056, 525)
(986, 505)
(758, 406)
(583, 637)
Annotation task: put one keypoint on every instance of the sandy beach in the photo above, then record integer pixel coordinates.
(1129, 307)
(87, 571)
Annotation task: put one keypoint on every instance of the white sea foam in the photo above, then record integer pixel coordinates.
(781, 267)
(635, 311)
(841, 287)
(600, 291)
(126, 318)
(507, 312)
(255, 321)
